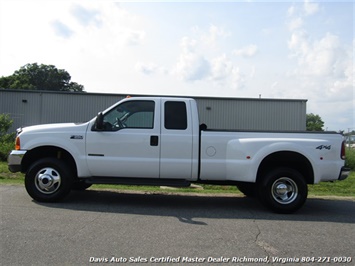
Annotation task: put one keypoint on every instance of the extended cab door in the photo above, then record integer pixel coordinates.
(128, 145)
(179, 152)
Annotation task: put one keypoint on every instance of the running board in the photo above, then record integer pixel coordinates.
(139, 181)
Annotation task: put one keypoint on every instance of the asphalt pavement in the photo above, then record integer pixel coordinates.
(106, 227)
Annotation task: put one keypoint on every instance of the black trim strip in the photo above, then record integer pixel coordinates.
(99, 155)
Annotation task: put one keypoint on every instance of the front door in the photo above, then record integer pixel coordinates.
(128, 146)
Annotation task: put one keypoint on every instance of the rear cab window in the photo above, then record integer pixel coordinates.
(175, 115)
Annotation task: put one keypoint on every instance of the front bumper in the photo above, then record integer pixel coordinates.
(344, 173)
(14, 160)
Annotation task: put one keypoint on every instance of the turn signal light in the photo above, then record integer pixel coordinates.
(17, 144)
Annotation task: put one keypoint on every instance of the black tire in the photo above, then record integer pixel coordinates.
(248, 189)
(80, 185)
(48, 180)
(283, 190)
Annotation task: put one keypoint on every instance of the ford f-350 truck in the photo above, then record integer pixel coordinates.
(159, 141)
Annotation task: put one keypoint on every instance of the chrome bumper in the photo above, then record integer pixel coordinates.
(344, 173)
(14, 160)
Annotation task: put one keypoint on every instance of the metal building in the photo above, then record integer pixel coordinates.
(40, 107)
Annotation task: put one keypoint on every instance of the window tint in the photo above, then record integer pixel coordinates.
(140, 120)
(175, 115)
(132, 114)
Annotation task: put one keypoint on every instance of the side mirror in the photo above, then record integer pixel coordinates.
(99, 123)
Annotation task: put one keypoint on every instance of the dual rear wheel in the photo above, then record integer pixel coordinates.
(283, 190)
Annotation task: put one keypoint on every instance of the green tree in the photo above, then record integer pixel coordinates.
(40, 77)
(314, 122)
(6, 140)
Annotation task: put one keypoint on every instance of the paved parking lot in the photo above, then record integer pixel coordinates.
(137, 228)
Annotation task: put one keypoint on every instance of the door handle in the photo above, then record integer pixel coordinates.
(154, 140)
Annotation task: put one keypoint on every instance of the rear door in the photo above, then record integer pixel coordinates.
(176, 150)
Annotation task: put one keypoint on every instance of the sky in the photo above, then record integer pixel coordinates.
(298, 49)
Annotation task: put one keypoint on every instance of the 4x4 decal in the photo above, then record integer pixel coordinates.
(321, 147)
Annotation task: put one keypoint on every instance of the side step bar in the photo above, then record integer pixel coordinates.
(139, 181)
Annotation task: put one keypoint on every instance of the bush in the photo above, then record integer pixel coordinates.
(350, 158)
(6, 140)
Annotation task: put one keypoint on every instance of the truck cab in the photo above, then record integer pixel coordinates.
(145, 138)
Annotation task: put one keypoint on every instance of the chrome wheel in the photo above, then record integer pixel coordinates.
(48, 180)
(284, 190)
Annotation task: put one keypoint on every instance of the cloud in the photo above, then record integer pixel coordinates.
(61, 29)
(188, 45)
(324, 66)
(198, 62)
(291, 10)
(86, 16)
(133, 37)
(248, 51)
(214, 34)
(192, 67)
(150, 68)
(221, 68)
(105, 25)
(324, 69)
(225, 73)
(295, 23)
(310, 8)
(321, 57)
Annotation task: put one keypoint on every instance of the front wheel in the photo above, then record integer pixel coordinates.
(48, 180)
(283, 190)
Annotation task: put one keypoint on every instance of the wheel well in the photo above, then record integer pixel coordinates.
(289, 159)
(47, 151)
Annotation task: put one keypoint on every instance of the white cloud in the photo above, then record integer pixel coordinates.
(310, 8)
(291, 10)
(61, 29)
(247, 51)
(192, 67)
(221, 68)
(86, 16)
(188, 45)
(214, 35)
(225, 73)
(133, 37)
(150, 68)
(320, 57)
(324, 70)
(295, 23)
(197, 63)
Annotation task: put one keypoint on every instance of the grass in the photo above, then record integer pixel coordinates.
(345, 188)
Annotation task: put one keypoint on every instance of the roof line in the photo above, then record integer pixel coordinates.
(152, 95)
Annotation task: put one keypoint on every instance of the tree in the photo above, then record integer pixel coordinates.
(314, 122)
(6, 140)
(40, 77)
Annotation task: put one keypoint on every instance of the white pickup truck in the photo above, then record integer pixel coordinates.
(159, 141)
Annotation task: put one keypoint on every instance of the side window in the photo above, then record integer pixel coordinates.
(140, 120)
(175, 115)
(131, 114)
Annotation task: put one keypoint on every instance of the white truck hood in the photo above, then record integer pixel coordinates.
(54, 128)
(61, 135)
